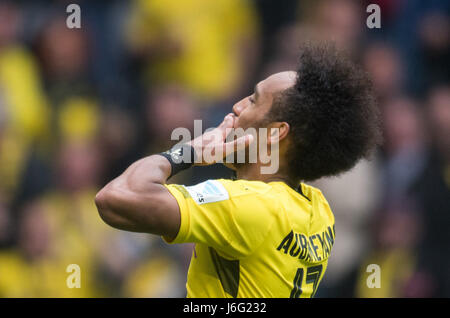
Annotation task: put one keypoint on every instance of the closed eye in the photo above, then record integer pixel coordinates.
(251, 99)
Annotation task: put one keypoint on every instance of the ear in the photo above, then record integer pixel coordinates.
(278, 131)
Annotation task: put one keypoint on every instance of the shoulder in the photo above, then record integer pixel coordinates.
(247, 188)
(318, 201)
(255, 201)
(236, 196)
(222, 189)
(312, 192)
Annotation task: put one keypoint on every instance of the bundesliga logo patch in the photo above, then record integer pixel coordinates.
(208, 192)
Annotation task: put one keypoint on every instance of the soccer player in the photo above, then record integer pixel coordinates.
(261, 235)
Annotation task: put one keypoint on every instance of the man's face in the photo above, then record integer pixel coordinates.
(251, 110)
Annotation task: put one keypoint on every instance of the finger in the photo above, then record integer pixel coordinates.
(227, 122)
(237, 144)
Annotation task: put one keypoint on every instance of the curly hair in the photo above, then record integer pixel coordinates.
(332, 113)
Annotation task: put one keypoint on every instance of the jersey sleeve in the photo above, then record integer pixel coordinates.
(232, 217)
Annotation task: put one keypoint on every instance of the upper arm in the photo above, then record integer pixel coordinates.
(152, 211)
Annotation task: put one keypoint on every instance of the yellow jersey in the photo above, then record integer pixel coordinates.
(254, 239)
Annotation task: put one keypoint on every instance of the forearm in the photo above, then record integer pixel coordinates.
(142, 175)
(132, 200)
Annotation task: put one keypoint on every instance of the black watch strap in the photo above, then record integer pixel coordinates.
(180, 158)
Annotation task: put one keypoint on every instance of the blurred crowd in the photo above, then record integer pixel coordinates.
(77, 106)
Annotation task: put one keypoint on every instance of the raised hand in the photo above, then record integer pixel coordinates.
(211, 147)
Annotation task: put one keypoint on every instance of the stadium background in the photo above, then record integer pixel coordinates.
(78, 106)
